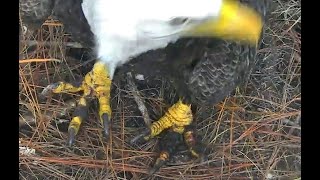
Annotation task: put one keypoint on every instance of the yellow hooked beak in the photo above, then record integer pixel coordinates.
(236, 22)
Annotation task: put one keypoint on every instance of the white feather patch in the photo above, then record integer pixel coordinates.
(124, 28)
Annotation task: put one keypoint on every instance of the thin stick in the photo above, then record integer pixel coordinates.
(38, 60)
(140, 102)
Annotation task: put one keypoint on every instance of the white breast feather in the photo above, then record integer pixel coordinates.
(125, 28)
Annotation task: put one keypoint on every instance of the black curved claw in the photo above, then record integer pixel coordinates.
(140, 136)
(72, 135)
(159, 163)
(201, 152)
(106, 125)
(203, 158)
(49, 88)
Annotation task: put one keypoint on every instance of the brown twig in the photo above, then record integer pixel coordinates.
(137, 97)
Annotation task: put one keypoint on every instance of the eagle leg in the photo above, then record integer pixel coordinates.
(96, 83)
(176, 127)
(177, 117)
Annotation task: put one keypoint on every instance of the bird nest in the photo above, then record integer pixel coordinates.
(253, 133)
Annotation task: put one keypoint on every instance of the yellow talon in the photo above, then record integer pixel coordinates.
(190, 141)
(96, 83)
(188, 137)
(163, 157)
(82, 102)
(99, 80)
(178, 116)
(66, 87)
(194, 153)
(75, 123)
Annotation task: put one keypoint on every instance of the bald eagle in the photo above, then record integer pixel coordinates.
(120, 31)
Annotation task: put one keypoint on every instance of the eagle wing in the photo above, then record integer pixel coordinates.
(203, 70)
(33, 14)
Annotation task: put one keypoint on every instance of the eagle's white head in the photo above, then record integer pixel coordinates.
(127, 28)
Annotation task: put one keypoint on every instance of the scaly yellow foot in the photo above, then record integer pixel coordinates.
(177, 120)
(96, 83)
(177, 117)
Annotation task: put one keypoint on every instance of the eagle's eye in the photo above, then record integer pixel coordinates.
(178, 21)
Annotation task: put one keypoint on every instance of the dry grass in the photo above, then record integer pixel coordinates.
(253, 134)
